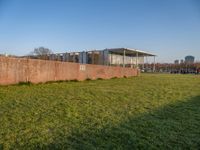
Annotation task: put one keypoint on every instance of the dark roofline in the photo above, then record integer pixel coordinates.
(129, 51)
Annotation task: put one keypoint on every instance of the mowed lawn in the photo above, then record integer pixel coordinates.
(152, 111)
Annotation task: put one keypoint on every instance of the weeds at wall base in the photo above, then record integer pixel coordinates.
(58, 81)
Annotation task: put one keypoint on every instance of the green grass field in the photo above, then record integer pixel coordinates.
(146, 112)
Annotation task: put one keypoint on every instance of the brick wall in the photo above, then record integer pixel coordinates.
(15, 70)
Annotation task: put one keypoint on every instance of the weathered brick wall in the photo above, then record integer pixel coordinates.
(15, 70)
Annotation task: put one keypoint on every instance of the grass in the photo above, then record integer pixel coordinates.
(146, 112)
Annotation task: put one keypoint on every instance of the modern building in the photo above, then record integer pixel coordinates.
(125, 57)
(176, 62)
(189, 59)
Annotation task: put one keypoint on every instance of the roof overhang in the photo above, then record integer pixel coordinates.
(130, 52)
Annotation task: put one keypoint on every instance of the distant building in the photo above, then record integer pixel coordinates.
(7, 55)
(176, 62)
(182, 61)
(189, 59)
(125, 57)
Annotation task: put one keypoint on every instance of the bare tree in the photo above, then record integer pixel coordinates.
(42, 52)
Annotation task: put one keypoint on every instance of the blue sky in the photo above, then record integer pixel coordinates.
(168, 28)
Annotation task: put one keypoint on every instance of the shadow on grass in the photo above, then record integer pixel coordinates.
(175, 126)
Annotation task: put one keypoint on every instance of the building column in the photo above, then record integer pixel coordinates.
(82, 55)
(92, 57)
(154, 64)
(102, 57)
(143, 62)
(137, 59)
(131, 62)
(124, 58)
(110, 59)
(74, 57)
(146, 67)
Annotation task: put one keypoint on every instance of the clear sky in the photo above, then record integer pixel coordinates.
(168, 28)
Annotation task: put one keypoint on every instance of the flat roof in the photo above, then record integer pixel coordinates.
(120, 51)
(130, 52)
